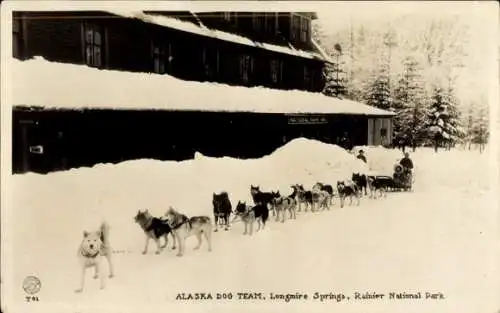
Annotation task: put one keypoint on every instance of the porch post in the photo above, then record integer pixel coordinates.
(370, 132)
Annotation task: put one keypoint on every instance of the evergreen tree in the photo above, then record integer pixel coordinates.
(378, 92)
(444, 119)
(479, 132)
(409, 104)
(470, 126)
(335, 75)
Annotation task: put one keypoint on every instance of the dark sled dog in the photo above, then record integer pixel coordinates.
(249, 215)
(361, 181)
(378, 184)
(154, 228)
(260, 197)
(347, 189)
(222, 209)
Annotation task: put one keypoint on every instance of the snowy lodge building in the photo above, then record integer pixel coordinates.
(98, 87)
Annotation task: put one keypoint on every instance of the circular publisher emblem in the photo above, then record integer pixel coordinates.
(32, 285)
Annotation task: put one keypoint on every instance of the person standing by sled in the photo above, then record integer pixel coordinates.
(407, 165)
(406, 162)
(361, 156)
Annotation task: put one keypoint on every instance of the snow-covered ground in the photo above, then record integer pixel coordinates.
(437, 238)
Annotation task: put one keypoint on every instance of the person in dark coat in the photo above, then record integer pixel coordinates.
(361, 156)
(345, 142)
(406, 162)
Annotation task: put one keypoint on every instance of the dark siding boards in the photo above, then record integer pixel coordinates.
(52, 35)
(127, 46)
(84, 138)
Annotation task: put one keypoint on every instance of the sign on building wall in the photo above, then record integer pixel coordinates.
(307, 119)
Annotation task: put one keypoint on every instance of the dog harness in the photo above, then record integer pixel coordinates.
(88, 255)
(183, 221)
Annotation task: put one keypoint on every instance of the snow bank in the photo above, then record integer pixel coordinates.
(449, 215)
(83, 197)
(77, 86)
(380, 160)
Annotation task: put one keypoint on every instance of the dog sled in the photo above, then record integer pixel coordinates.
(400, 180)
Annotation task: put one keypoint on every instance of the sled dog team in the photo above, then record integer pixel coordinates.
(95, 245)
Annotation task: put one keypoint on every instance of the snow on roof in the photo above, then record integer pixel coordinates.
(68, 86)
(202, 30)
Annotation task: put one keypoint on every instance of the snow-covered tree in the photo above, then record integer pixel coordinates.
(335, 75)
(377, 92)
(409, 104)
(470, 126)
(478, 131)
(444, 119)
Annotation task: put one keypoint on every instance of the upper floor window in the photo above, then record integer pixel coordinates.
(16, 37)
(93, 44)
(246, 65)
(276, 67)
(295, 27)
(162, 56)
(301, 28)
(258, 21)
(304, 29)
(210, 60)
(230, 17)
(270, 23)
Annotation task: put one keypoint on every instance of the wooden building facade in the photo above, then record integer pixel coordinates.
(272, 50)
(107, 40)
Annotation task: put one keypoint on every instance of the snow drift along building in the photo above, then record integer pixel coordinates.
(116, 86)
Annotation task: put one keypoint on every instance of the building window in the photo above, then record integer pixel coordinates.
(271, 23)
(245, 67)
(210, 60)
(258, 20)
(304, 29)
(295, 27)
(276, 71)
(383, 132)
(307, 76)
(314, 74)
(16, 37)
(230, 17)
(161, 57)
(93, 44)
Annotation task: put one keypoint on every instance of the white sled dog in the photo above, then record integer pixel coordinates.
(94, 247)
(183, 227)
